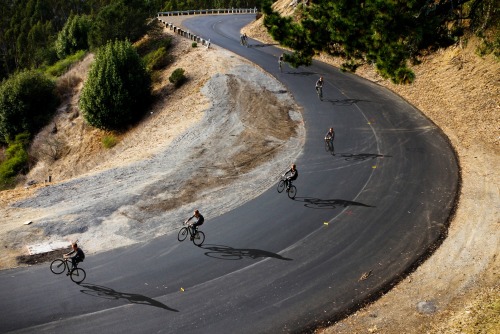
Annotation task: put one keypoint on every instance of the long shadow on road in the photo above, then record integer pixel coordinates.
(318, 203)
(228, 253)
(108, 293)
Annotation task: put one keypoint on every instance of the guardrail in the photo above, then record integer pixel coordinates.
(210, 11)
(163, 17)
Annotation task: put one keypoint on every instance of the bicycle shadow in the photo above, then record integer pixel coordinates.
(262, 45)
(304, 73)
(228, 253)
(361, 156)
(318, 203)
(108, 293)
(344, 102)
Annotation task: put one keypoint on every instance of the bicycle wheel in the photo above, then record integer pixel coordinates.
(292, 192)
(183, 233)
(327, 145)
(281, 186)
(58, 266)
(78, 275)
(199, 238)
(320, 92)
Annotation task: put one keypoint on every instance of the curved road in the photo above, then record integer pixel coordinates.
(361, 220)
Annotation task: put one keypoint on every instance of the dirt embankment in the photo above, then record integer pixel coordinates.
(217, 130)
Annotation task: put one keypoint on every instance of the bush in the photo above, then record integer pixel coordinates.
(118, 89)
(16, 160)
(63, 65)
(156, 60)
(177, 77)
(73, 36)
(109, 141)
(194, 44)
(27, 103)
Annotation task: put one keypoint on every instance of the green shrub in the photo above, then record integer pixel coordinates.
(27, 103)
(156, 60)
(63, 65)
(194, 44)
(73, 36)
(109, 141)
(149, 45)
(118, 89)
(16, 160)
(177, 77)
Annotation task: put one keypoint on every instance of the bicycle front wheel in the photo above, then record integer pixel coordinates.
(58, 266)
(292, 192)
(78, 275)
(327, 145)
(183, 233)
(281, 186)
(199, 238)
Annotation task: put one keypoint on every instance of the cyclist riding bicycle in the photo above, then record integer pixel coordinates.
(78, 256)
(330, 135)
(199, 221)
(292, 173)
(319, 84)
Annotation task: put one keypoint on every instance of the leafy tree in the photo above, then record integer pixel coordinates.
(27, 103)
(118, 88)
(122, 19)
(74, 35)
(389, 34)
(16, 160)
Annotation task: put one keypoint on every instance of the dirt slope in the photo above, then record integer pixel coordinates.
(217, 130)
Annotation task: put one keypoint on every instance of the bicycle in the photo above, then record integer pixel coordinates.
(197, 239)
(319, 91)
(290, 188)
(329, 145)
(76, 274)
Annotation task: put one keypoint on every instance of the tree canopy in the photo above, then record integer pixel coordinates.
(387, 33)
(27, 103)
(117, 90)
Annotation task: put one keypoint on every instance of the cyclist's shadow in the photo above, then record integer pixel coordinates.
(318, 203)
(228, 253)
(108, 293)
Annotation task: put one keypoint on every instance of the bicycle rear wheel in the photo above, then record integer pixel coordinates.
(199, 238)
(183, 233)
(292, 192)
(78, 275)
(281, 186)
(58, 266)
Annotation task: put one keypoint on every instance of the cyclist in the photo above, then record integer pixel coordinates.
(330, 135)
(319, 87)
(292, 173)
(199, 221)
(76, 255)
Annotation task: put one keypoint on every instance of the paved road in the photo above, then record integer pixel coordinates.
(371, 211)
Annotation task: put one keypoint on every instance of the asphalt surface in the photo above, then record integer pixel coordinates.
(361, 220)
